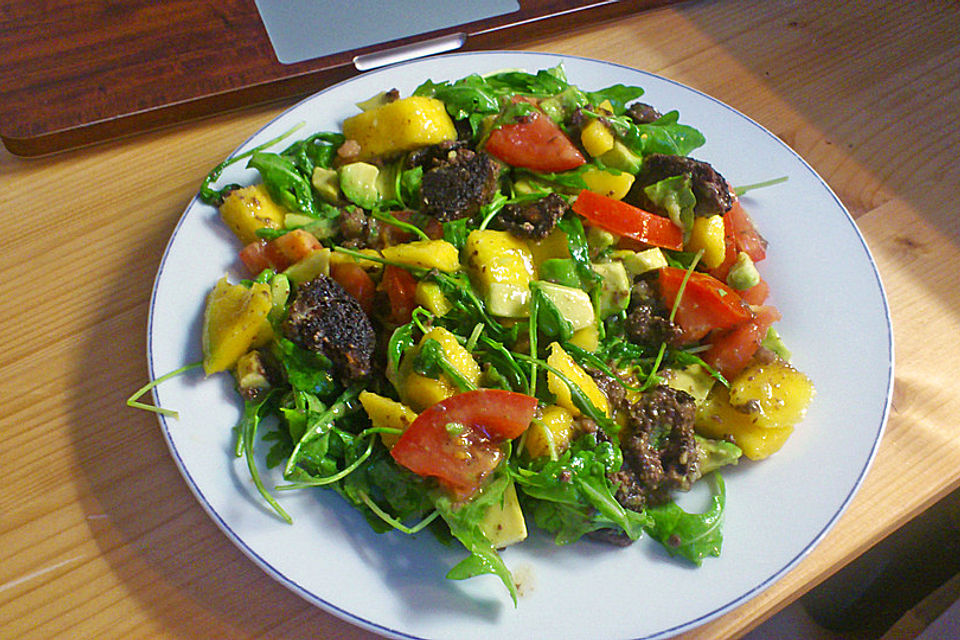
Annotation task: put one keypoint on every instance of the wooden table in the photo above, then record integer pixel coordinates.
(99, 535)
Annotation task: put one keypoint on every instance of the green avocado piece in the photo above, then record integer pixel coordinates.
(358, 181)
(622, 158)
(327, 184)
(614, 288)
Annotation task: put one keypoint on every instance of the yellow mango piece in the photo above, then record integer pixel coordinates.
(596, 138)
(248, 209)
(555, 428)
(775, 393)
(426, 254)
(429, 296)
(553, 246)
(234, 320)
(400, 126)
(717, 418)
(607, 183)
(562, 362)
(418, 391)
(387, 413)
(587, 338)
(502, 265)
(707, 234)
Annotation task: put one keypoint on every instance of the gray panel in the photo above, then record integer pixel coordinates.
(304, 29)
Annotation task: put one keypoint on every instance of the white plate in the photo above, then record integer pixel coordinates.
(836, 321)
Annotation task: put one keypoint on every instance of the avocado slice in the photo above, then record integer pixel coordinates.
(614, 288)
(327, 183)
(622, 158)
(358, 181)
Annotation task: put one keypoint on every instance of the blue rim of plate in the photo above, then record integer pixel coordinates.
(663, 633)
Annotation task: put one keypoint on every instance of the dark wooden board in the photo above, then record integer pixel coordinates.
(76, 72)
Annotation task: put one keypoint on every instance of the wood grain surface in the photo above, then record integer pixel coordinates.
(73, 72)
(99, 535)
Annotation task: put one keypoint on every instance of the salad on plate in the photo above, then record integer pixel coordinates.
(501, 302)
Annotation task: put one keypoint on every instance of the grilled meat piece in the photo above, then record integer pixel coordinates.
(711, 190)
(660, 453)
(457, 181)
(324, 318)
(533, 220)
(643, 113)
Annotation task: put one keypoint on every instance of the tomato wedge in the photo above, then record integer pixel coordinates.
(745, 234)
(401, 288)
(706, 304)
(280, 252)
(732, 350)
(458, 439)
(534, 142)
(356, 282)
(624, 219)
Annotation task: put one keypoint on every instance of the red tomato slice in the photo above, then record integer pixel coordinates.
(536, 143)
(254, 257)
(401, 288)
(280, 252)
(706, 304)
(757, 294)
(624, 219)
(747, 238)
(458, 439)
(356, 281)
(732, 350)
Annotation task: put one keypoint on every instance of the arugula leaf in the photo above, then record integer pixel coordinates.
(690, 535)
(432, 361)
(663, 135)
(548, 318)
(464, 522)
(577, 495)
(253, 412)
(284, 181)
(306, 370)
(318, 150)
(619, 95)
(579, 250)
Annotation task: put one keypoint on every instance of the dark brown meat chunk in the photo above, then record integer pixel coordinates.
(643, 113)
(647, 326)
(709, 187)
(357, 230)
(660, 453)
(533, 220)
(457, 182)
(325, 319)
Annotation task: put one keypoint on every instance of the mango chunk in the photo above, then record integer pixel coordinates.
(552, 433)
(596, 138)
(502, 264)
(234, 321)
(562, 362)
(426, 254)
(387, 413)
(607, 183)
(400, 126)
(429, 296)
(707, 235)
(419, 391)
(717, 418)
(248, 209)
(775, 394)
